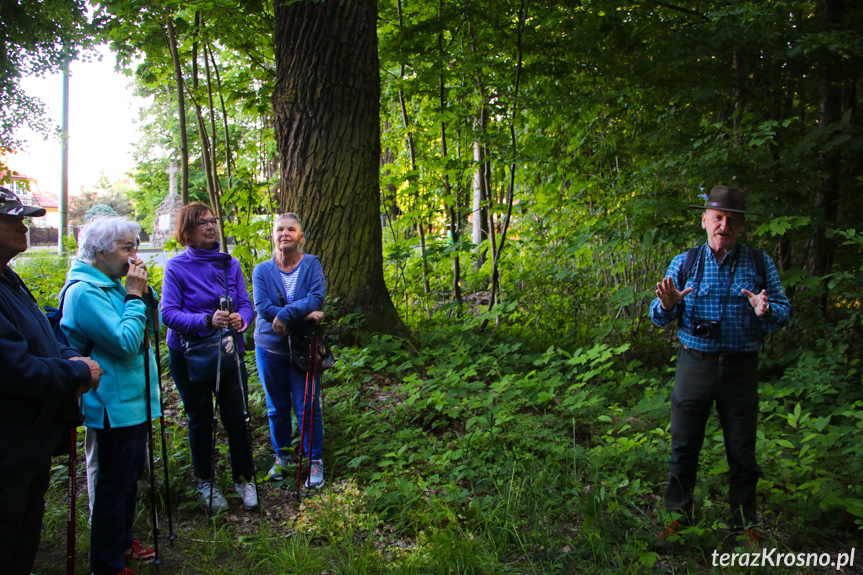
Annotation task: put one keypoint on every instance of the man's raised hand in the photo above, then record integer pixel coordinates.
(668, 294)
(759, 302)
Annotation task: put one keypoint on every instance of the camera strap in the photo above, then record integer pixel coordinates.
(699, 275)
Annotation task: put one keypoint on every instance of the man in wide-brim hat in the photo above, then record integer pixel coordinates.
(725, 297)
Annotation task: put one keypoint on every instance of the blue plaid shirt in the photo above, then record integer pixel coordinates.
(742, 330)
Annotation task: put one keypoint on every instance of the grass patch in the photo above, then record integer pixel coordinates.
(470, 454)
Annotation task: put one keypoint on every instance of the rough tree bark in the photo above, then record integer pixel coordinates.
(326, 108)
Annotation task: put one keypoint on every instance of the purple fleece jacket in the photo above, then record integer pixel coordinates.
(194, 281)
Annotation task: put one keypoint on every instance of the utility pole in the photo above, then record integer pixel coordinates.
(64, 162)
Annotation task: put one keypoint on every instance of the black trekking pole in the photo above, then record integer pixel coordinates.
(70, 521)
(210, 522)
(171, 536)
(150, 447)
(246, 415)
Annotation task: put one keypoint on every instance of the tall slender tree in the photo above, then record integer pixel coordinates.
(181, 110)
(326, 109)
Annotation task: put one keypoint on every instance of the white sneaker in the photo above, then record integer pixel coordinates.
(219, 503)
(316, 479)
(249, 494)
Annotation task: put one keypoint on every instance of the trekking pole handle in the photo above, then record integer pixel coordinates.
(226, 304)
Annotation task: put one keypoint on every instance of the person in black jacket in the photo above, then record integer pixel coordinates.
(37, 374)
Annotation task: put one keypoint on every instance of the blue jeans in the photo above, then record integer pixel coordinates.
(198, 401)
(733, 387)
(120, 451)
(284, 386)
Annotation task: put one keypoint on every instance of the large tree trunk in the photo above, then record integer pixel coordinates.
(326, 108)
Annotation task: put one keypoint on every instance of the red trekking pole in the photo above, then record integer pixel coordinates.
(308, 401)
(70, 520)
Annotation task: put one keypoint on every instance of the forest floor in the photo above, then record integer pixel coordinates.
(388, 507)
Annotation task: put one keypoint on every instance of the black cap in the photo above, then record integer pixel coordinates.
(10, 204)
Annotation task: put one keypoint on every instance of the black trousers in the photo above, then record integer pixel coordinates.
(198, 401)
(121, 454)
(22, 505)
(733, 387)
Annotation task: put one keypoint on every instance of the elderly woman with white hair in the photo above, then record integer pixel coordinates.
(109, 318)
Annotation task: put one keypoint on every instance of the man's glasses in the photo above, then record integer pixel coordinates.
(204, 224)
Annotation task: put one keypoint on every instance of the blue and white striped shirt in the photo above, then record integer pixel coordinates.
(289, 281)
(742, 330)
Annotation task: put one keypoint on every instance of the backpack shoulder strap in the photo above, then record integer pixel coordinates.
(759, 264)
(88, 349)
(63, 296)
(686, 268)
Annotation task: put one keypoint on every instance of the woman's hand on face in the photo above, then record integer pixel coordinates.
(279, 328)
(315, 316)
(136, 278)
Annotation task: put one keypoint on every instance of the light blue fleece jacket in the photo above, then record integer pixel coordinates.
(95, 310)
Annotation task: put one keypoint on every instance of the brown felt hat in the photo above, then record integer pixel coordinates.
(726, 199)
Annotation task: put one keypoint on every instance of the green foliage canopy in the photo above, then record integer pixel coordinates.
(36, 36)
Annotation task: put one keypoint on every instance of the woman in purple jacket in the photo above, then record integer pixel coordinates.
(194, 281)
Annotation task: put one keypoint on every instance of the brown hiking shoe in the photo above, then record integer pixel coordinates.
(662, 543)
(749, 539)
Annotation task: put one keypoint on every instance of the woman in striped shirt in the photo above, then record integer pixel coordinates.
(289, 297)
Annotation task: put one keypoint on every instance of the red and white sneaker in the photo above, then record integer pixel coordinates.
(316, 476)
(138, 552)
